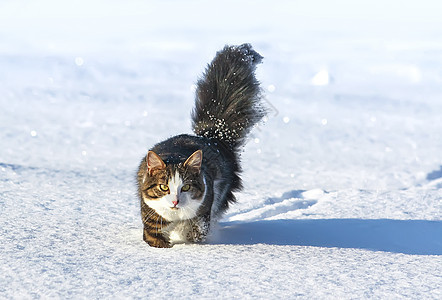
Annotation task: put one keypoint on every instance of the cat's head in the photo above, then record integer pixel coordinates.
(174, 190)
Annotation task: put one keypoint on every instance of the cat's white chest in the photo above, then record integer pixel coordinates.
(179, 233)
(176, 237)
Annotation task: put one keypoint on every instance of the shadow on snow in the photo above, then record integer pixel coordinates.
(398, 236)
(435, 174)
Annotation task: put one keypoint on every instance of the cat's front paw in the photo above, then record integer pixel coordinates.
(199, 230)
(196, 237)
(157, 241)
(160, 244)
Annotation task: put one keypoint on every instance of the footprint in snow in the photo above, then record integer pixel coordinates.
(290, 201)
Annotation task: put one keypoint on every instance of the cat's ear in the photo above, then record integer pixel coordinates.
(154, 162)
(194, 161)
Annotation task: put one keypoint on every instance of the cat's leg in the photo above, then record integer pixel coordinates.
(153, 228)
(154, 238)
(199, 229)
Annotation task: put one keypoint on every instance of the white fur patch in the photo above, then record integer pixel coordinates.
(178, 234)
(176, 237)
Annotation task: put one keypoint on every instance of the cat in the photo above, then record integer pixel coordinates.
(186, 182)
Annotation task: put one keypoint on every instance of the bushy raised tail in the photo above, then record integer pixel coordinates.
(228, 96)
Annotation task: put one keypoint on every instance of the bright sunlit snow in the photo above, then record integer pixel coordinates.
(321, 78)
(342, 185)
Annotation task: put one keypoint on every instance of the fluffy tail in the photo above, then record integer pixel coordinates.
(228, 96)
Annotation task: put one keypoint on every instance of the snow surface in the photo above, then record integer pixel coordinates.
(343, 184)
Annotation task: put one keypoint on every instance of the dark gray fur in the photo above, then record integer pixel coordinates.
(228, 97)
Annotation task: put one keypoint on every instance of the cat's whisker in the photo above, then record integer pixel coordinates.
(189, 221)
(187, 215)
(149, 215)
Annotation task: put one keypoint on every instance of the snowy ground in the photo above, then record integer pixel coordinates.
(343, 184)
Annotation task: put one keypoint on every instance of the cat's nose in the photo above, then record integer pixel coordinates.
(175, 203)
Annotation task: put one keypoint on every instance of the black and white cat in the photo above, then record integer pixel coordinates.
(187, 181)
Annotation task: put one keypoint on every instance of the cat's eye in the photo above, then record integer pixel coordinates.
(164, 187)
(185, 188)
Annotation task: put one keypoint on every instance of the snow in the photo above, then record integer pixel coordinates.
(343, 184)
